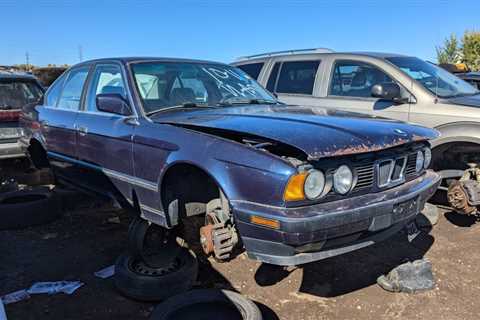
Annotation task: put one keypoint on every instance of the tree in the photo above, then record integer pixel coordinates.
(450, 51)
(471, 50)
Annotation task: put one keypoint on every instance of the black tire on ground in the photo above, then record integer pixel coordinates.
(211, 304)
(153, 244)
(136, 280)
(25, 208)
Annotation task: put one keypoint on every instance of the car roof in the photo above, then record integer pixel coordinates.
(13, 74)
(382, 55)
(128, 60)
(318, 51)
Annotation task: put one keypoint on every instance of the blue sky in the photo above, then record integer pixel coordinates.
(52, 31)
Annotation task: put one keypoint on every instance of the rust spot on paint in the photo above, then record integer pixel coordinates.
(362, 148)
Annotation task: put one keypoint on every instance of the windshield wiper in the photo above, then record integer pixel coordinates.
(246, 101)
(186, 105)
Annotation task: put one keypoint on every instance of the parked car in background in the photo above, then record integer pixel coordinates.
(174, 139)
(47, 75)
(471, 77)
(382, 84)
(16, 90)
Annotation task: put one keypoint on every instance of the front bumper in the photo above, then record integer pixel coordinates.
(324, 230)
(11, 150)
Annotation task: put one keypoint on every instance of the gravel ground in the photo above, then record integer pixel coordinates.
(86, 239)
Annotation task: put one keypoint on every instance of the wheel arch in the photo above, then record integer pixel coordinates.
(37, 153)
(458, 144)
(193, 193)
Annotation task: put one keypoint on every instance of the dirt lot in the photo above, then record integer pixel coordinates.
(344, 287)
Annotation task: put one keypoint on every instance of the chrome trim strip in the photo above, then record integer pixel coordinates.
(133, 180)
(152, 210)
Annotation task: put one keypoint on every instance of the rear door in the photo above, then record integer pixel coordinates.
(59, 112)
(104, 140)
(294, 81)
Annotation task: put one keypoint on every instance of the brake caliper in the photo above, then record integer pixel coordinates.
(464, 194)
(218, 235)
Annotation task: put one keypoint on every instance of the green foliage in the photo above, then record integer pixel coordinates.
(450, 51)
(467, 50)
(471, 50)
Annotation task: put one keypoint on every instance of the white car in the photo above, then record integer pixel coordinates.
(388, 85)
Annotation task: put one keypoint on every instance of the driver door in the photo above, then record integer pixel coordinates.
(350, 86)
(104, 140)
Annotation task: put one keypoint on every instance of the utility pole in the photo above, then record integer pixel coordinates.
(27, 61)
(80, 53)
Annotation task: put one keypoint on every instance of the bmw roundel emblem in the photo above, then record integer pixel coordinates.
(399, 132)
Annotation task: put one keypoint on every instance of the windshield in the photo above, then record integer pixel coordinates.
(438, 81)
(163, 85)
(14, 94)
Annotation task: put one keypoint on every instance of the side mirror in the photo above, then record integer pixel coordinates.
(113, 103)
(387, 91)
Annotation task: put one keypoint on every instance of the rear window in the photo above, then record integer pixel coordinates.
(15, 93)
(252, 69)
(297, 77)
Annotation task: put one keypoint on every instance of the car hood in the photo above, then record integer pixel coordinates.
(469, 101)
(318, 132)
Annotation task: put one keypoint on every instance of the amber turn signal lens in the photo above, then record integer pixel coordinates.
(294, 190)
(269, 223)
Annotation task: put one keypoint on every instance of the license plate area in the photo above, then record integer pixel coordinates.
(412, 231)
(406, 209)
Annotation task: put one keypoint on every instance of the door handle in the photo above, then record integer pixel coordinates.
(82, 131)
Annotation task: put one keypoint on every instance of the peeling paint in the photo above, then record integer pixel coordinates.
(362, 148)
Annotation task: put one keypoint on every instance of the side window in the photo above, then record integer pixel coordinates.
(72, 90)
(252, 69)
(106, 79)
(272, 80)
(53, 93)
(297, 77)
(355, 79)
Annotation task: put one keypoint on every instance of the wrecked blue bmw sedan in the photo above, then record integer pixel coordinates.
(174, 140)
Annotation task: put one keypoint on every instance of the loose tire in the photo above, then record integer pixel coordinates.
(211, 304)
(154, 244)
(136, 280)
(25, 208)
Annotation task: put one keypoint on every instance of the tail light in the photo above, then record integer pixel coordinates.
(9, 115)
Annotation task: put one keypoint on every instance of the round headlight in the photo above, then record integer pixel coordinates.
(419, 162)
(314, 184)
(343, 179)
(428, 157)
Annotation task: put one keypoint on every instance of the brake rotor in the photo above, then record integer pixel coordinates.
(458, 199)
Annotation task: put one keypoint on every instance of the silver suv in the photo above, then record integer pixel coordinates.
(388, 85)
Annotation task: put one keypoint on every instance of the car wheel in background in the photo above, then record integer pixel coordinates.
(136, 280)
(212, 304)
(25, 208)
